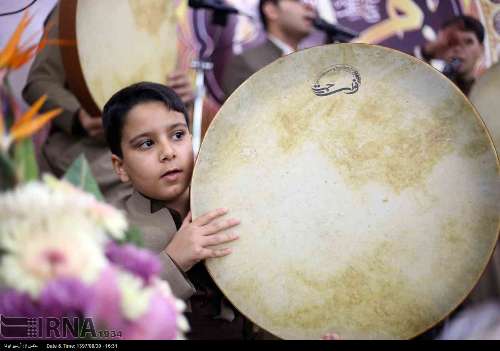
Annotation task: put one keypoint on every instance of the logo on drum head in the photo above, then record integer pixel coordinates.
(336, 79)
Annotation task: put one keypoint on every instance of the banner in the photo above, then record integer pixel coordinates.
(400, 24)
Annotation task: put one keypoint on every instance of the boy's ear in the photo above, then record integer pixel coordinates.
(119, 168)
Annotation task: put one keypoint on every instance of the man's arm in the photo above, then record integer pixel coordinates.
(46, 76)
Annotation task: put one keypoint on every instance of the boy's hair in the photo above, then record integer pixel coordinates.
(119, 105)
(263, 18)
(466, 24)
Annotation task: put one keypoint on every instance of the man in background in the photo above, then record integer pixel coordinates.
(459, 45)
(287, 23)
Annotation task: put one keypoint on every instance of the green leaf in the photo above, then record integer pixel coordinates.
(133, 236)
(8, 177)
(80, 175)
(25, 161)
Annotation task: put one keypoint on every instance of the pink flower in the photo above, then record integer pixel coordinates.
(123, 305)
(105, 308)
(158, 323)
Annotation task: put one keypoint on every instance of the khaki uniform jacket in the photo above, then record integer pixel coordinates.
(157, 228)
(209, 314)
(242, 66)
(66, 142)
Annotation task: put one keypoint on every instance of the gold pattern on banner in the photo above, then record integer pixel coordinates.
(403, 16)
(181, 10)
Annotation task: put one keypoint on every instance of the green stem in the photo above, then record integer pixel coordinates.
(8, 176)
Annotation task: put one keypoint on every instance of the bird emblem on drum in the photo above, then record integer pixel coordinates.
(337, 78)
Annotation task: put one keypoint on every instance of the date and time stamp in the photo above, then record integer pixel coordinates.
(101, 345)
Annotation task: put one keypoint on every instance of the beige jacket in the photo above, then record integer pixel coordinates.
(242, 66)
(158, 228)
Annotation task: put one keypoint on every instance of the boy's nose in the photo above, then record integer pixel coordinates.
(167, 152)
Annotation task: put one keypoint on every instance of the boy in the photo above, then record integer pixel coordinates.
(146, 127)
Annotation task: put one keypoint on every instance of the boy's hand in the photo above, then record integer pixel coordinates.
(194, 240)
(331, 336)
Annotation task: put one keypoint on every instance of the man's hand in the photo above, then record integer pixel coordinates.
(180, 83)
(91, 124)
(194, 240)
(444, 40)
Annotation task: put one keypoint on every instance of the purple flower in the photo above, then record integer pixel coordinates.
(16, 304)
(65, 297)
(133, 259)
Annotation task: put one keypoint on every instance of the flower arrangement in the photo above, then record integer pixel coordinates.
(65, 255)
(62, 257)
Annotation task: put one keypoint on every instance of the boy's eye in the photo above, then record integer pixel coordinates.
(146, 144)
(179, 134)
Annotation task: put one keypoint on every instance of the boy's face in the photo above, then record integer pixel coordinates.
(157, 152)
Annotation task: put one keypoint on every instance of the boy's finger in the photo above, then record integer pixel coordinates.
(210, 216)
(212, 253)
(187, 220)
(217, 239)
(331, 336)
(215, 227)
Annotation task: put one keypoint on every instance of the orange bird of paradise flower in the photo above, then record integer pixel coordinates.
(12, 56)
(26, 125)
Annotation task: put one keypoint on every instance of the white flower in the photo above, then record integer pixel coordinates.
(51, 230)
(135, 296)
(48, 249)
(109, 218)
(106, 216)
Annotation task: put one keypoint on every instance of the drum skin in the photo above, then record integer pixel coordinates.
(485, 96)
(123, 42)
(367, 188)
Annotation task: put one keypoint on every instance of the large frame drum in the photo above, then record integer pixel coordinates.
(485, 97)
(118, 43)
(368, 191)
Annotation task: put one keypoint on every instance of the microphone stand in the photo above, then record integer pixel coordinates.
(202, 64)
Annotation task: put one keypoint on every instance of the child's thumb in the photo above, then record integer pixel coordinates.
(187, 220)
